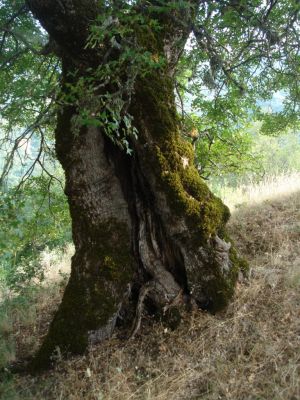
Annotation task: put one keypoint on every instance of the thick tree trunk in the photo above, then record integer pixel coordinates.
(103, 264)
(146, 221)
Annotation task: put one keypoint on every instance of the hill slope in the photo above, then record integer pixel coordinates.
(251, 351)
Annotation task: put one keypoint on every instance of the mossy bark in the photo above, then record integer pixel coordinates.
(193, 218)
(103, 264)
(146, 221)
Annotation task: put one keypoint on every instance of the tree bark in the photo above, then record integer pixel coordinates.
(102, 267)
(146, 221)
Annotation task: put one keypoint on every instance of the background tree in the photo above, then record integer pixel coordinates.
(144, 223)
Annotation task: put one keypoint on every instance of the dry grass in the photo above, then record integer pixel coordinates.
(251, 351)
(254, 193)
(25, 317)
(56, 264)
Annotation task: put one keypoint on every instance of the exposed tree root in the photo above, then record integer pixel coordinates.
(140, 307)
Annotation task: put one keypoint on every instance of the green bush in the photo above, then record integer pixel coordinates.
(32, 219)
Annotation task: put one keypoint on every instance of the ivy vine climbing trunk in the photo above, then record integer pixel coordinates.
(144, 225)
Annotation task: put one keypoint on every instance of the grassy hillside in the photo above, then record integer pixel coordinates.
(251, 351)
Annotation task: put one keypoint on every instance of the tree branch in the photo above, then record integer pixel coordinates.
(66, 21)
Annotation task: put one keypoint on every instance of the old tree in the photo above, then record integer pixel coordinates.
(147, 230)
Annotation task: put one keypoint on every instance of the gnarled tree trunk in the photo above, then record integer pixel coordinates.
(147, 220)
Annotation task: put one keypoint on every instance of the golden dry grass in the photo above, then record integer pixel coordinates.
(267, 188)
(56, 264)
(249, 352)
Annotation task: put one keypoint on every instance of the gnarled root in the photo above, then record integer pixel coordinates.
(140, 307)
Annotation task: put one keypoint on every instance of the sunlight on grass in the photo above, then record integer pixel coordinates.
(56, 264)
(268, 188)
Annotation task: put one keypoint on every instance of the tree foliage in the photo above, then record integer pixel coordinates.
(28, 83)
(239, 52)
(32, 220)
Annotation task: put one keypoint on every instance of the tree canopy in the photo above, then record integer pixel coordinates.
(238, 54)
